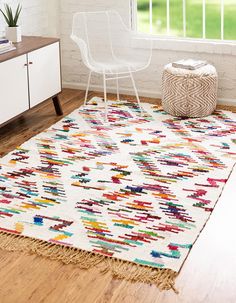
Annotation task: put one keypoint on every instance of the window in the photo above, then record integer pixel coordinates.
(207, 19)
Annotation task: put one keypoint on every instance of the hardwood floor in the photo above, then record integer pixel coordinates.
(208, 275)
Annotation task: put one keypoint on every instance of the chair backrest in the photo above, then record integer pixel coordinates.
(103, 37)
(100, 35)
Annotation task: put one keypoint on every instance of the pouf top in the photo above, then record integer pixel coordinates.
(207, 70)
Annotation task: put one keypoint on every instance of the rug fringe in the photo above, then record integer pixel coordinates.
(164, 279)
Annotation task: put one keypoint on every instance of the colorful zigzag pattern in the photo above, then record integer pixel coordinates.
(139, 188)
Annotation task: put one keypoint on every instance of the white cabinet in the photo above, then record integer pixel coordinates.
(29, 76)
(44, 73)
(13, 88)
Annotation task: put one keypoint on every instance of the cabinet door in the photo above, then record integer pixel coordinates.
(14, 97)
(44, 73)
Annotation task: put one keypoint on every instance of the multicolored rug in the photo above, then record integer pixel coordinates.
(135, 192)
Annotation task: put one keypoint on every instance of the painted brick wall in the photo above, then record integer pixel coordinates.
(39, 17)
(148, 81)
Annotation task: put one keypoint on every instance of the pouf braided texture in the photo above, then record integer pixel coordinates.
(189, 93)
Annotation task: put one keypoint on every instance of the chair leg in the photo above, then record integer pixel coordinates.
(105, 96)
(117, 89)
(87, 89)
(136, 92)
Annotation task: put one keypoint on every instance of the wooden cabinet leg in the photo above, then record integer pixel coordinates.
(57, 106)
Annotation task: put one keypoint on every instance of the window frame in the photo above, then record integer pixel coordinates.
(165, 42)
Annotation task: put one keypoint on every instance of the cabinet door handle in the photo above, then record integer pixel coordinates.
(30, 63)
(25, 64)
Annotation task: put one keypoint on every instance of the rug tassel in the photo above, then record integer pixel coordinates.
(164, 279)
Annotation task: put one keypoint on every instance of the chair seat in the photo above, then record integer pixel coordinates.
(117, 67)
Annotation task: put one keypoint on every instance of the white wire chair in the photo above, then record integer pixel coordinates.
(106, 46)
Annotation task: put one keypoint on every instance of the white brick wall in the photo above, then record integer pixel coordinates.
(39, 17)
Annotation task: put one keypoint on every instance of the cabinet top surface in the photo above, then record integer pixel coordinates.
(28, 44)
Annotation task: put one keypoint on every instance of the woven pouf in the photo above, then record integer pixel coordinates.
(189, 93)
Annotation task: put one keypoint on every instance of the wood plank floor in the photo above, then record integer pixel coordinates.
(208, 275)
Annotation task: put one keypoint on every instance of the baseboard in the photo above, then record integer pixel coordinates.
(227, 101)
(142, 92)
(125, 91)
